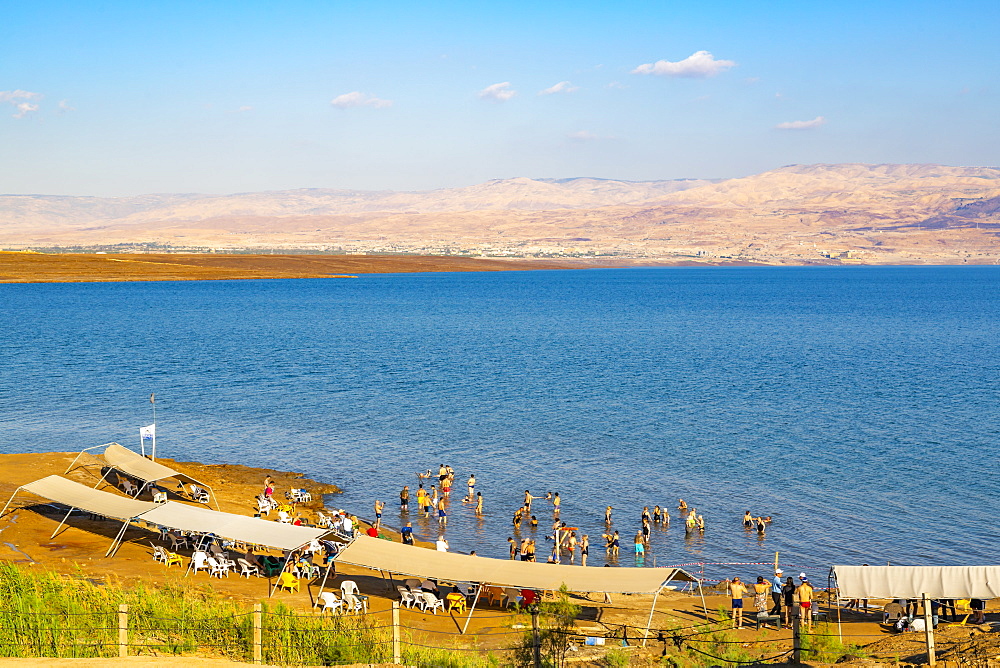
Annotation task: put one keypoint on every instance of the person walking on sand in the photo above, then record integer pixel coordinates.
(737, 590)
(584, 549)
(804, 594)
(404, 499)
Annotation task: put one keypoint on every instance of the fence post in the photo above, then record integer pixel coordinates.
(122, 629)
(929, 632)
(536, 643)
(397, 657)
(257, 625)
(796, 640)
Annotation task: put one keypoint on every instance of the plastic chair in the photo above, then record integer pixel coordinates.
(288, 581)
(406, 596)
(353, 603)
(158, 552)
(329, 601)
(892, 612)
(247, 569)
(431, 602)
(350, 588)
(963, 606)
(218, 568)
(128, 487)
(284, 517)
(494, 595)
(199, 562)
(456, 601)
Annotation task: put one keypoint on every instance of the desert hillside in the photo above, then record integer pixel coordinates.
(794, 214)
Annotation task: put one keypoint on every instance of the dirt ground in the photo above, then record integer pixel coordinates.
(26, 528)
(19, 267)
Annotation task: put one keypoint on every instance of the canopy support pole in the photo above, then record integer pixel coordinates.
(465, 628)
(121, 533)
(71, 509)
(322, 585)
(704, 606)
(649, 621)
(80, 454)
(9, 501)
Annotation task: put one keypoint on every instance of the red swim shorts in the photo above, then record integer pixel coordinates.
(806, 604)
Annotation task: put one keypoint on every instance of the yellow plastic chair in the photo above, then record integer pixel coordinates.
(456, 602)
(963, 606)
(174, 558)
(288, 581)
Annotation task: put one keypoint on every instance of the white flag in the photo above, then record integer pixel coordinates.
(147, 433)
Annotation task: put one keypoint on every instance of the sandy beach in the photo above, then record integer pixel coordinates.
(79, 548)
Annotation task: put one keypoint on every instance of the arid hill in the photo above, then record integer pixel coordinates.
(794, 214)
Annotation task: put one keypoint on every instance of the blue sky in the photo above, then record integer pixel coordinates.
(115, 98)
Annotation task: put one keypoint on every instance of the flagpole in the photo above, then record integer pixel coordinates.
(152, 400)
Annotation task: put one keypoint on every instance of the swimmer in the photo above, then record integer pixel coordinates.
(534, 522)
(527, 500)
(645, 514)
(479, 503)
(681, 504)
(701, 523)
(607, 515)
(472, 484)
(442, 512)
(379, 505)
(657, 515)
(761, 526)
(404, 499)
(748, 519)
(513, 547)
(556, 503)
(548, 496)
(425, 474)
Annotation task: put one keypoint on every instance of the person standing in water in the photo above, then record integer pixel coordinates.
(442, 512)
(479, 503)
(404, 499)
(556, 504)
(378, 512)
(472, 485)
(607, 515)
(584, 549)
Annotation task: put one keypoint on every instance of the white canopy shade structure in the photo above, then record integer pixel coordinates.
(75, 495)
(915, 581)
(387, 556)
(171, 514)
(250, 530)
(128, 461)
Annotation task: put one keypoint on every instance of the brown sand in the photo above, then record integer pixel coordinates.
(18, 267)
(25, 539)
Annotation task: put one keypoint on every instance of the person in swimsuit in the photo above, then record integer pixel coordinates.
(442, 473)
(640, 547)
(534, 522)
(788, 593)
(479, 503)
(571, 546)
(404, 499)
(442, 512)
(513, 547)
(748, 519)
(681, 504)
(760, 591)
(690, 524)
(657, 517)
(524, 549)
(736, 592)
(378, 506)
(615, 545)
(584, 549)
(527, 500)
(701, 523)
(556, 503)
(531, 550)
(518, 515)
(645, 517)
(607, 515)
(804, 593)
(761, 526)
(666, 516)
(472, 485)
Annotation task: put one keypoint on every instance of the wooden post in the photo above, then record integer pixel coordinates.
(122, 629)
(796, 641)
(257, 628)
(397, 657)
(929, 631)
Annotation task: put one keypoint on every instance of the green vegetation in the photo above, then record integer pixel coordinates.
(823, 645)
(47, 614)
(555, 626)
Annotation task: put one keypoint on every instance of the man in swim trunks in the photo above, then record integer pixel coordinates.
(804, 594)
(736, 592)
(404, 499)
(472, 485)
(379, 505)
(513, 547)
(442, 512)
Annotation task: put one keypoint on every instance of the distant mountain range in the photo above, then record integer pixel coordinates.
(778, 215)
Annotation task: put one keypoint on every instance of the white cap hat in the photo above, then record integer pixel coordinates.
(778, 571)
(802, 576)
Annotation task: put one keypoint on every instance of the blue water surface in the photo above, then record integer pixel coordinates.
(856, 405)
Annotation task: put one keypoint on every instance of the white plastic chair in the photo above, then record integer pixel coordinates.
(350, 588)
(159, 497)
(159, 554)
(284, 517)
(247, 569)
(198, 494)
(353, 603)
(329, 601)
(218, 568)
(199, 562)
(431, 602)
(128, 487)
(406, 596)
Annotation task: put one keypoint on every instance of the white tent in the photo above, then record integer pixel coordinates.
(915, 581)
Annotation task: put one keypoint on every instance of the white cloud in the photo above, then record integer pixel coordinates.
(245, 107)
(583, 135)
(698, 65)
(25, 108)
(617, 84)
(359, 99)
(498, 92)
(801, 125)
(18, 98)
(561, 87)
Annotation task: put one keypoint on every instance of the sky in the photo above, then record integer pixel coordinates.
(126, 98)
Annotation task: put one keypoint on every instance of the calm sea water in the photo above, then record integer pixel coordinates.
(857, 406)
